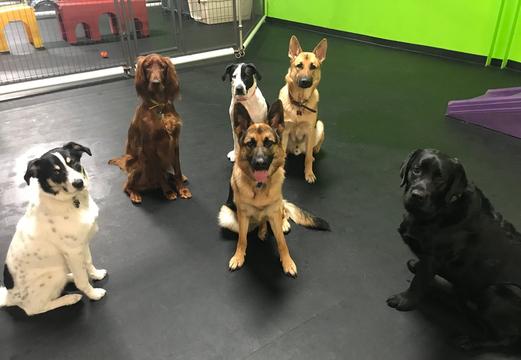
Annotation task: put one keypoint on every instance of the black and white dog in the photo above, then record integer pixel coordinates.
(243, 78)
(51, 244)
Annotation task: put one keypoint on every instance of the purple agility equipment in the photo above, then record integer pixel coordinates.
(497, 109)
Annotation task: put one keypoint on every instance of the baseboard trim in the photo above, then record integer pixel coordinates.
(398, 45)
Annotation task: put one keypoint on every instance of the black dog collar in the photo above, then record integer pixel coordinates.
(300, 104)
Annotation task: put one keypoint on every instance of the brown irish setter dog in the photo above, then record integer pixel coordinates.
(151, 160)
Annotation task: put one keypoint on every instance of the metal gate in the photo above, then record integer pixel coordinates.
(47, 38)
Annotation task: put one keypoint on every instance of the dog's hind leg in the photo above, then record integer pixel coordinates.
(319, 136)
(499, 308)
(288, 265)
(44, 293)
(286, 226)
(65, 300)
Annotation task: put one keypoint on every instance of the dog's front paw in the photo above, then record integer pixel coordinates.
(135, 198)
(98, 274)
(96, 293)
(184, 193)
(289, 266)
(403, 302)
(171, 195)
(310, 176)
(231, 156)
(236, 262)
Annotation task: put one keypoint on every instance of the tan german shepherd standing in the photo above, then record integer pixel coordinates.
(304, 133)
(256, 187)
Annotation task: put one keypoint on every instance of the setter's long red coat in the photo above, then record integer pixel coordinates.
(151, 159)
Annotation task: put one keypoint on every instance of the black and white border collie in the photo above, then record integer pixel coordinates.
(243, 78)
(51, 244)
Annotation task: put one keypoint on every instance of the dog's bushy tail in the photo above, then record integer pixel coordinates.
(3, 296)
(120, 162)
(228, 219)
(305, 218)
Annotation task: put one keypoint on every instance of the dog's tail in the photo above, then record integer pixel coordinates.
(120, 162)
(3, 296)
(228, 219)
(305, 218)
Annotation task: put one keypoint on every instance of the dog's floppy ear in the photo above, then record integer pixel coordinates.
(171, 79)
(276, 117)
(294, 47)
(458, 181)
(77, 148)
(254, 71)
(229, 71)
(32, 170)
(406, 165)
(320, 50)
(140, 79)
(241, 120)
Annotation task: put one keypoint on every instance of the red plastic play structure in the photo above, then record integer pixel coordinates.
(87, 12)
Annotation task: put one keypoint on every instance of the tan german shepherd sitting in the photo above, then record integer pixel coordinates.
(256, 187)
(304, 133)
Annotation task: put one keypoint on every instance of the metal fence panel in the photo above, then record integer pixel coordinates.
(45, 38)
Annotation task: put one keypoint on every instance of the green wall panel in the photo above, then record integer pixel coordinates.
(459, 25)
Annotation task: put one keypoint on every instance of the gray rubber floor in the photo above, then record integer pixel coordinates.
(170, 295)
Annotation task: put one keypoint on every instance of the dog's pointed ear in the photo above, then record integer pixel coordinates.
(229, 71)
(140, 78)
(320, 50)
(32, 170)
(77, 148)
(406, 165)
(458, 182)
(294, 47)
(254, 71)
(241, 120)
(276, 117)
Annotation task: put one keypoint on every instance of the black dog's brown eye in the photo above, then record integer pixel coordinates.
(416, 170)
(251, 144)
(300, 65)
(312, 67)
(268, 143)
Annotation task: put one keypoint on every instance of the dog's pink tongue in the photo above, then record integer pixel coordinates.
(261, 176)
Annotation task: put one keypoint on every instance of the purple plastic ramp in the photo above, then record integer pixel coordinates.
(497, 109)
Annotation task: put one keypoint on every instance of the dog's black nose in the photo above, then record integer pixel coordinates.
(239, 90)
(260, 163)
(305, 82)
(418, 194)
(78, 184)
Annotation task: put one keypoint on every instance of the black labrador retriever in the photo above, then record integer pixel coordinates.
(456, 234)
